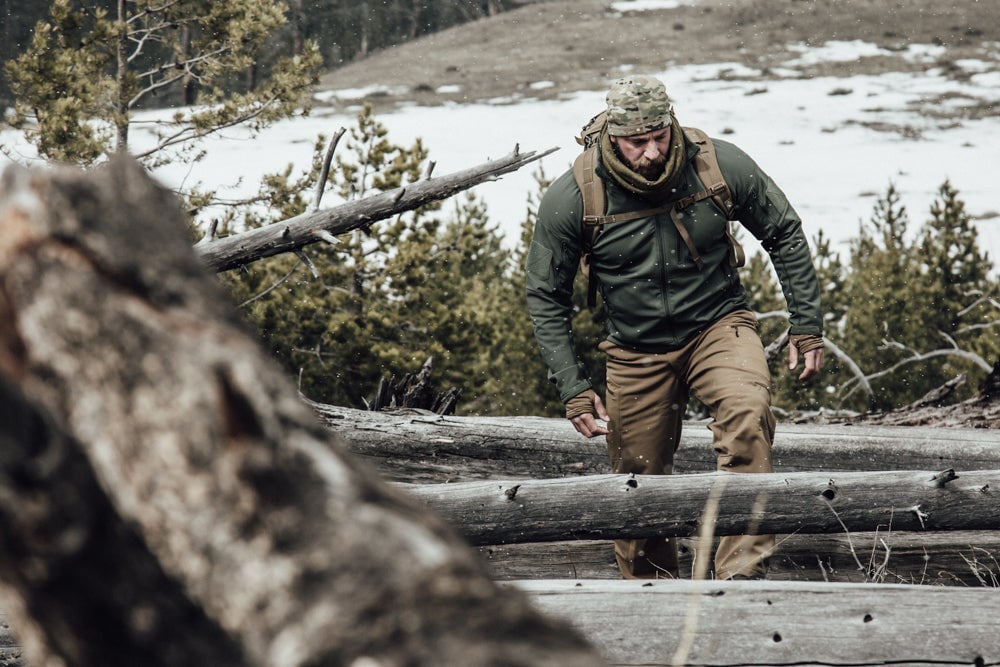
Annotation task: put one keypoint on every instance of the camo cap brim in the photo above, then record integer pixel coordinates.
(637, 104)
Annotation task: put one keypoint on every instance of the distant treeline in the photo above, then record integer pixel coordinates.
(344, 29)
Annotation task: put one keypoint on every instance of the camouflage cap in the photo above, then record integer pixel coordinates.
(637, 104)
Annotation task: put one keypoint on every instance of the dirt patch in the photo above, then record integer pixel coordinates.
(552, 49)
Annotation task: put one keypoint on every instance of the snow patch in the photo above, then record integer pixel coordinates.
(646, 5)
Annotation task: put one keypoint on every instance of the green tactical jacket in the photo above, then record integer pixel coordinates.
(656, 298)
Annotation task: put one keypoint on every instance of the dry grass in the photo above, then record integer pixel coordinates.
(581, 44)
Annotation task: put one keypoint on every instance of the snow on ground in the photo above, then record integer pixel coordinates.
(833, 144)
(645, 5)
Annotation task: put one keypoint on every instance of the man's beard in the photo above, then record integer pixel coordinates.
(649, 169)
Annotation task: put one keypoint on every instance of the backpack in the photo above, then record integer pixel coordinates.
(595, 206)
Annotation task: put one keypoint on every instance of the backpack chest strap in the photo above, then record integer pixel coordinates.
(715, 190)
(595, 222)
(599, 220)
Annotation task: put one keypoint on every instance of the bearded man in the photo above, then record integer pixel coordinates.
(678, 321)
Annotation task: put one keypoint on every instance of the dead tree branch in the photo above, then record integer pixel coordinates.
(293, 234)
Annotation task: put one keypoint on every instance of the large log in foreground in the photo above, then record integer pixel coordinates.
(724, 623)
(167, 499)
(629, 506)
(415, 447)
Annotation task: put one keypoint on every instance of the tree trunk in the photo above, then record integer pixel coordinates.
(167, 499)
(958, 558)
(298, 21)
(627, 506)
(777, 623)
(421, 448)
(323, 225)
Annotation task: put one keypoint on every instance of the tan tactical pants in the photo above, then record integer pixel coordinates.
(724, 368)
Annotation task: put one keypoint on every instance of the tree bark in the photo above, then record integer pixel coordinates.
(409, 446)
(422, 447)
(627, 506)
(958, 558)
(167, 499)
(315, 226)
(777, 623)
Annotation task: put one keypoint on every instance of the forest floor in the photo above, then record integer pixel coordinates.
(556, 48)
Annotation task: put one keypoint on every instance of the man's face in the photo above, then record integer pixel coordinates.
(645, 153)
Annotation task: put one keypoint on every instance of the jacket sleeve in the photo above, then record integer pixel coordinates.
(551, 266)
(764, 210)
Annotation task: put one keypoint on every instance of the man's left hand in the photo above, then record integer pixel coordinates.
(812, 357)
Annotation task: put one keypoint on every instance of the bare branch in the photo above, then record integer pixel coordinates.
(308, 262)
(191, 133)
(859, 375)
(977, 327)
(274, 286)
(325, 171)
(162, 83)
(775, 347)
(983, 298)
(152, 10)
(324, 235)
(918, 356)
(302, 230)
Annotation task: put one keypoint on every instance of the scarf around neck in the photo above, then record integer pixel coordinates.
(662, 188)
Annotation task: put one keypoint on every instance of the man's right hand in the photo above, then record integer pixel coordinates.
(581, 411)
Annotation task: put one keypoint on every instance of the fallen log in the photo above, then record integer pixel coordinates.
(165, 497)
(959, 558)
(723, 623)
(628, 506)
(323, 225)
(417, 447)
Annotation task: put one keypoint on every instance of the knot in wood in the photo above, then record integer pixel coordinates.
(944, 477)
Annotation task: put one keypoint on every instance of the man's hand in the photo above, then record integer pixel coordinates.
(580, 410)
(812, 356)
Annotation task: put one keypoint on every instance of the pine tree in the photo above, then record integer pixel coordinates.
(425, 284)
(87, 72)
(790, 393)
(954, 274)
(588, 326)
(883, 312)
(330, 322)
(530, 391)
(909, 300)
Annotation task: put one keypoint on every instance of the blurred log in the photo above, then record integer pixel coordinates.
(421, 448)
(632, 506)
(728, 623)
(960, 558)
(165, 496)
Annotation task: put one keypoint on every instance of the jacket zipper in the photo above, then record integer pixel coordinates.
(661, 247)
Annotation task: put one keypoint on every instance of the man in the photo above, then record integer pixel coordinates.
(678, 321)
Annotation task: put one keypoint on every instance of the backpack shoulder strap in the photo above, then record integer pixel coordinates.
(706, 165)
(592, 192)
(591, 186)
